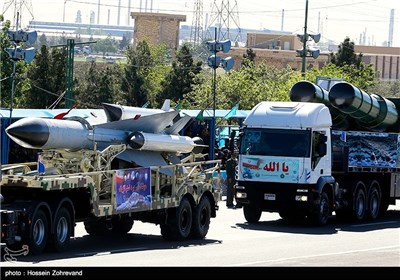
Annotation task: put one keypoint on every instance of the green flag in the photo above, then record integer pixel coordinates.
(200, 116)
(232, 112)
(179, 105)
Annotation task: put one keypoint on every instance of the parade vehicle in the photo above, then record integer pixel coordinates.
(106, 175)
(323, 152)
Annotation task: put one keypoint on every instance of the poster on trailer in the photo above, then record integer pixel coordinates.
(133, 189)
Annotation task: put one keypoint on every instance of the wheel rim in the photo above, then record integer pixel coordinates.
(203, 216)
(62, 229)
(360, 205)
(184, 219)
(324, 210)
(38, 232)
(374, 204)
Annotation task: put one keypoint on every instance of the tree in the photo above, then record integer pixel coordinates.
(39, 78)
(87, 93)
(346, 54)
(105, 45)
(133, 82)
(248, 58)
(179, 82)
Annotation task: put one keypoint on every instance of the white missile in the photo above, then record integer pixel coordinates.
(162, 142)
(147, 133)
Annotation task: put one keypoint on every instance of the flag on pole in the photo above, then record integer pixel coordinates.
(62, 115)
(179, 105)
(199, 116)
(232, 112)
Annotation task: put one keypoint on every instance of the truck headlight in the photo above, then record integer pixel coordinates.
(241, 195)
(301, 198)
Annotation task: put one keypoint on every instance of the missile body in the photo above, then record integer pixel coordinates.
(161, 142)
(371, 111)
(139, 134)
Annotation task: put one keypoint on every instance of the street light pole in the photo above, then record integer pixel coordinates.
(212, 123)
(303, 63)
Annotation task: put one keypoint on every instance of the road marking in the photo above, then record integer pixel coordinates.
(313, 256)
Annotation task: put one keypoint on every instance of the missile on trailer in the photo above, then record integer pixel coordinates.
(371, 111)
(305, 91)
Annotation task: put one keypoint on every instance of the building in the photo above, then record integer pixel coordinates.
(157, 28)
(386, 60)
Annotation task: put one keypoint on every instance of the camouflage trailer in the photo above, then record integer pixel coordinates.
(40, 208)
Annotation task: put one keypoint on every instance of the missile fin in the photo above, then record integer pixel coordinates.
(178, 125)
(113, 111)
(155, 123)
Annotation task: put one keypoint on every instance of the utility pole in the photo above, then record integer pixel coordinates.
(303, 62)
(305, 51)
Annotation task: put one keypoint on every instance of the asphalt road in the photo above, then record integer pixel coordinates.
(232, 242)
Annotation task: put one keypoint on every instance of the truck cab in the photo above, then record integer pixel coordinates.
(284, 161)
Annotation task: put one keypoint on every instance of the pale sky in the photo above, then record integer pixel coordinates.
(334, 19)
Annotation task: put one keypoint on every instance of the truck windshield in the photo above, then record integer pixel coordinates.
(275, 142)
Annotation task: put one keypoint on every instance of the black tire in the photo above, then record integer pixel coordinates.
(251, 214)
(201, 219)
(374, 203)
(122, 225)
(359, 203)
(96, 228)
(179, 222)
(321, 213)
(62, 231)
(38, 233)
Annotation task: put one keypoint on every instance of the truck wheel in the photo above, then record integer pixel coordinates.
(321, 213)
(251, 214)
(96, 228)
(122, 225)
(38, 233)
(63, 228)
(179, 223)
(201, 219)
(359, 205)
(374, 200)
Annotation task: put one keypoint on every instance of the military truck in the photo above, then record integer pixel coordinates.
(322, 152)
(129, 174)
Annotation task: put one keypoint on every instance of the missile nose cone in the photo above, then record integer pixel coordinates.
(113, 112)
(136, 140)
(30, 133)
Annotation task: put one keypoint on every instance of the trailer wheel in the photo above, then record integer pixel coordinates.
(63, 228)
(374, 200)
(251, 214)
(359, 205)
(179, 223)
(122, 225)
(321, 213)
(38, 233)
(201, 219)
